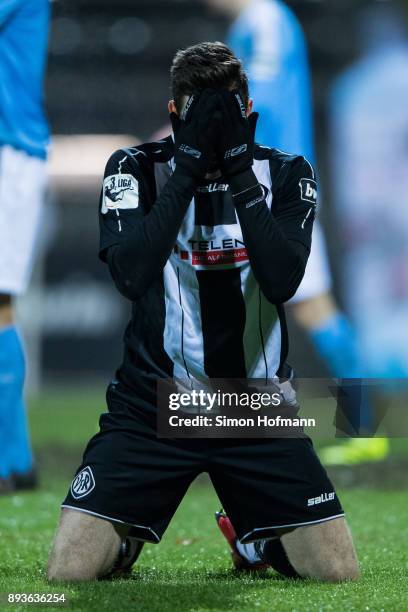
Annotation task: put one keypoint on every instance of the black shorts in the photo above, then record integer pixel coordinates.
(130, 476)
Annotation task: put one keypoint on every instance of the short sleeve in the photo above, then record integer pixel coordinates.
(295, 201)
(122, 201)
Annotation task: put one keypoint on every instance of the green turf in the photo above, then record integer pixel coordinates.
(190, 569)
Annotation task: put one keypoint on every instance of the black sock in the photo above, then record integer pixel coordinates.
(273, 553)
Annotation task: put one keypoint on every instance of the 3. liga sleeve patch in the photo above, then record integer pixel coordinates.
(83, 483)
(120, 191)
(308, 190)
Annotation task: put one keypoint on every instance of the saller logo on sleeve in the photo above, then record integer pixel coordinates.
(120, 191)
(308, 190)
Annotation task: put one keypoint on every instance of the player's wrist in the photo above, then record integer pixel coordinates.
(245, 189)
(184, 178)
(242, 182)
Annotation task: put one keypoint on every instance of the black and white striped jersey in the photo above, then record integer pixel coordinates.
(203, 312)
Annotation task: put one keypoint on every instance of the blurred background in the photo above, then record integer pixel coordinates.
(107, 87)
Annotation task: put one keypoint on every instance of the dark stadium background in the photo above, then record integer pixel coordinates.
(108, 74)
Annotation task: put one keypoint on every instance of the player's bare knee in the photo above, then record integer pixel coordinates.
(324, 552)
(85, 547)
(72, 571)
(313, 311)
(67, 561)
(339, 570)
(67, 564)
(329, 569)
(334, 564)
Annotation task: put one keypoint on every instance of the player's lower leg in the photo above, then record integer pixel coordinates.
(335, 341)
(87, 547)
(129, 551)
(16, 457)
(322, 551)
(256, 555)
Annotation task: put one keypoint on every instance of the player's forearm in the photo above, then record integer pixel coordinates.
(137, 261)
(277, 262)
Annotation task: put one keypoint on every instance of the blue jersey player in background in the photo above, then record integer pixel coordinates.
(269, 40)
(23, 148)
(267, 37)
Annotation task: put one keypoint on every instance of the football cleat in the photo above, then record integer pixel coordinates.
(130, 549)
(6, 486)
(239, 561)
(25, 481)
(355, 451)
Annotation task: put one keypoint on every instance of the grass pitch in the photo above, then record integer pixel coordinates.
(190, 569)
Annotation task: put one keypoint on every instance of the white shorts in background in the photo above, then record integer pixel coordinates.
(22, 190)
(317, 279)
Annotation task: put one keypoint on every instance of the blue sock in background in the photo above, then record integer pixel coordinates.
(15, 450)
(335, 341)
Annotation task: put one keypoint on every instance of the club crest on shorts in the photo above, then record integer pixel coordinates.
(83, 483)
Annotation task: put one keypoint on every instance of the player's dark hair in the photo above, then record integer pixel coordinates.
(208, 64)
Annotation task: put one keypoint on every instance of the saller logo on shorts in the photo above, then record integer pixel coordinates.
(324, 497)
(235, 151)
(83, 483)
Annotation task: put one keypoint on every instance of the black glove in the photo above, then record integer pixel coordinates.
(194, 133)
(237, 134)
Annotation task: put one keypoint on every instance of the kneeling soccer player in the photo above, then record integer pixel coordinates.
(208, 235)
